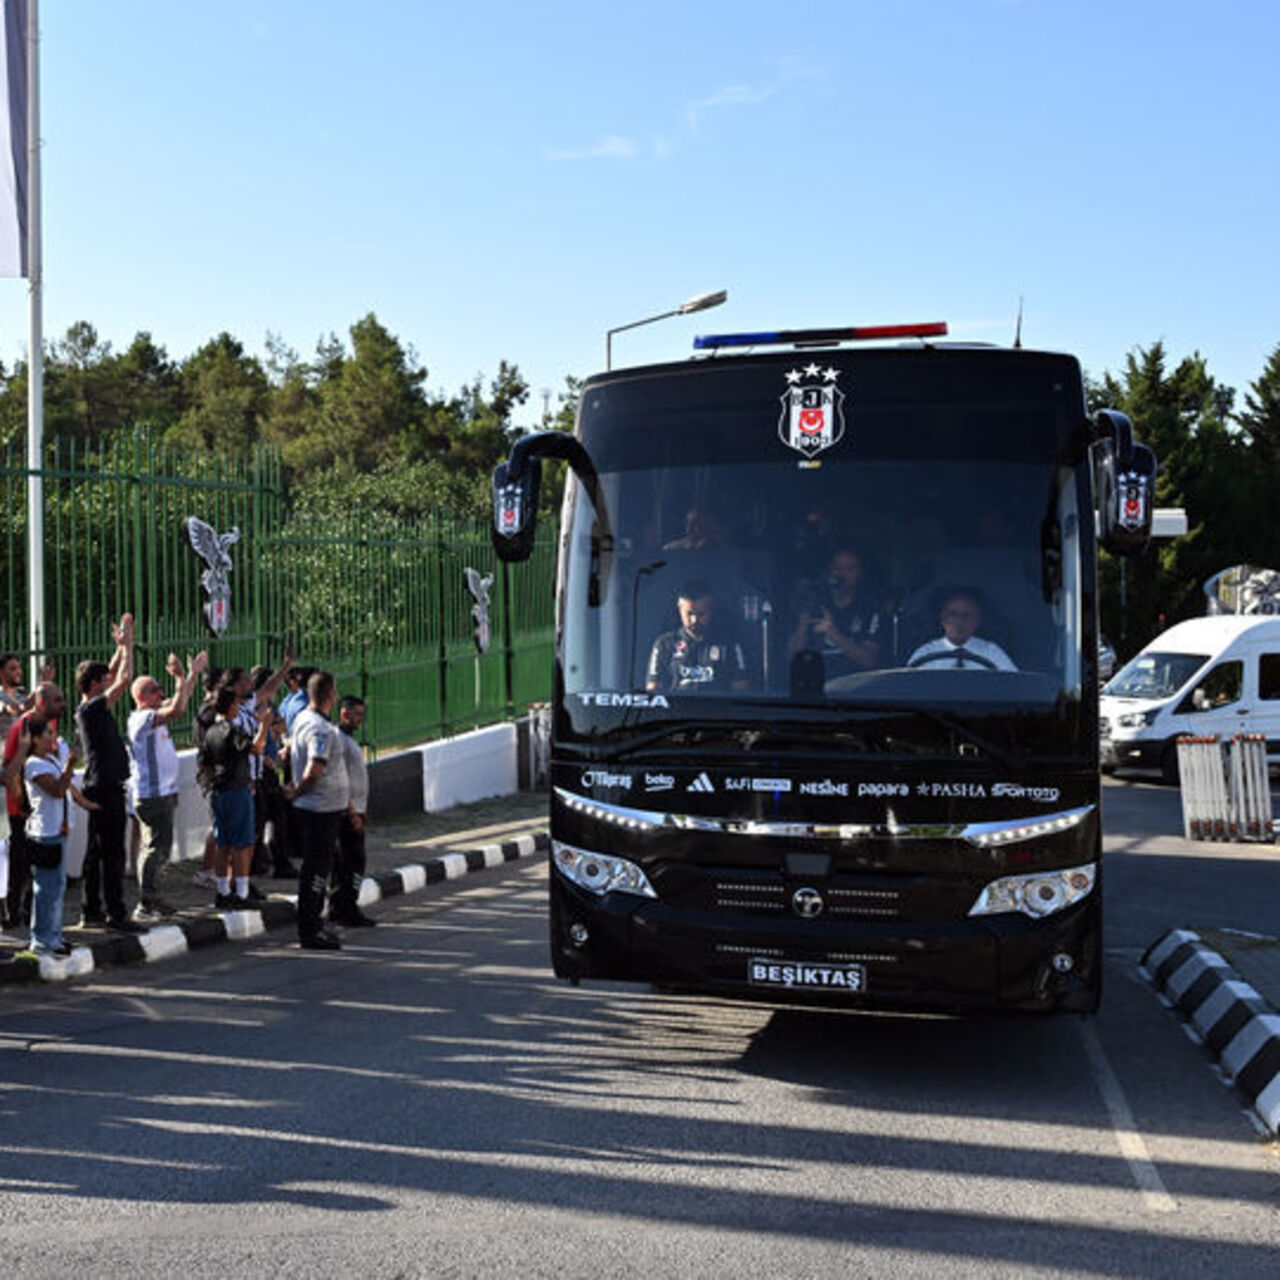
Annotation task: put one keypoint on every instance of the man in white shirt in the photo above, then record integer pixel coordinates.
(348, 870)
(960, 646)
(154, 774)
(319, 795)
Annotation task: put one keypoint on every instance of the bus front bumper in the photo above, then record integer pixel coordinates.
(998, 961)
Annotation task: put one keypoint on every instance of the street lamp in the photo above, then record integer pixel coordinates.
(701, 303)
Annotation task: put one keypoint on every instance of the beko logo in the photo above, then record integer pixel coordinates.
(623, 700)
(658, 782)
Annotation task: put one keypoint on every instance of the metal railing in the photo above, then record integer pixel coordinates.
(381, 602)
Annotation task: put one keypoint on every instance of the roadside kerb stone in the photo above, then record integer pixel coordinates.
(164, 942)
(1236, 1019)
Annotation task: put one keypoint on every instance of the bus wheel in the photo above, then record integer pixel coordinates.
(1169, 764)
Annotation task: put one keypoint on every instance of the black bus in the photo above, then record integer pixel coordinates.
(825, 715)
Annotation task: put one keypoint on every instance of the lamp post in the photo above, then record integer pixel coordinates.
(701, 303)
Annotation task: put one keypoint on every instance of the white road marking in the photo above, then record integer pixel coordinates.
(1132, 1147)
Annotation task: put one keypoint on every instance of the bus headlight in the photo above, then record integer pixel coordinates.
(1037, 894)
(600, 873)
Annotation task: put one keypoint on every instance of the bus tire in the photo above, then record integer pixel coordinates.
(1169, 764)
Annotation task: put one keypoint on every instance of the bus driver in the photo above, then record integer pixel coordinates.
(960, 645)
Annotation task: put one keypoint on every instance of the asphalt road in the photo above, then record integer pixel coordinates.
(431, 1102)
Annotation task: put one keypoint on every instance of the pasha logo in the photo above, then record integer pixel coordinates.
(812, 410)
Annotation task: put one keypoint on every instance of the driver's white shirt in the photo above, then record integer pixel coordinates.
(975, 645)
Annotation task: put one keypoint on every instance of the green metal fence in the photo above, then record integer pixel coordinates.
(381, 602)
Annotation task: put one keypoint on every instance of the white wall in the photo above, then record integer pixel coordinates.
(472, 766)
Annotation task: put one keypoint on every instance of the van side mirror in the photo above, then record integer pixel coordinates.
(1126, 485)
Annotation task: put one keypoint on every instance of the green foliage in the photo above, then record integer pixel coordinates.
(1205, 467)
(225, 393)
(356, 418)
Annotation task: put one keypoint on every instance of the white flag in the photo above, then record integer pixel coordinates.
(13, 140)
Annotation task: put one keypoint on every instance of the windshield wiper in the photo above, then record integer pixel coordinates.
(1013, 761)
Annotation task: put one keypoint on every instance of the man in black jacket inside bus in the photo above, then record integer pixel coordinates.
(697, 657)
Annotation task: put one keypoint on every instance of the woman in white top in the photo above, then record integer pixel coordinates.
(48, 776)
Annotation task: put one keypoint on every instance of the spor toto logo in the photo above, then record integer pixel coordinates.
(807, 903)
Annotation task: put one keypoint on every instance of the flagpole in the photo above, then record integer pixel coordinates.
(37, 631)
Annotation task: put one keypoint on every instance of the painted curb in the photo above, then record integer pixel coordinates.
(167, 941)
(1236, 1024)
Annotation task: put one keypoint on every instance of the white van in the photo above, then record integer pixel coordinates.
(1218, 675)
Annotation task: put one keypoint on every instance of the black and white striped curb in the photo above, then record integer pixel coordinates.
(166, 941)
(1238, 1025)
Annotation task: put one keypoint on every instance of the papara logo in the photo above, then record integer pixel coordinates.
(623, 700)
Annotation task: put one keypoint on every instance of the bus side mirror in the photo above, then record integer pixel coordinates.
(516, 483)
(1126, 485)
(515, 507)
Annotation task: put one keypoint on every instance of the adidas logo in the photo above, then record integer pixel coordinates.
(701, 783)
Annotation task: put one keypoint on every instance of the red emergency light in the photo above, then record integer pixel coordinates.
(820, 337)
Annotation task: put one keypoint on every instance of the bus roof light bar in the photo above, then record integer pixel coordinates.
(808, 337)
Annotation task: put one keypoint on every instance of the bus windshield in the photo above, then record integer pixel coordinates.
(927, 553)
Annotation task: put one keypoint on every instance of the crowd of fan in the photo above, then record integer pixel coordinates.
(282, 782)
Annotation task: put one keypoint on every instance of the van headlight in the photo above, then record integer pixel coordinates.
(1137, 719)
(600, 873)
(1037, 894)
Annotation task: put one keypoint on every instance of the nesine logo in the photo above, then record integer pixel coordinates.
(827, 787)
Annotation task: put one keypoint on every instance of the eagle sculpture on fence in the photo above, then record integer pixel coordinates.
(214, 549)
(478, 584)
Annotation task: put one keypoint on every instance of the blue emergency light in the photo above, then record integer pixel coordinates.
(819, 337)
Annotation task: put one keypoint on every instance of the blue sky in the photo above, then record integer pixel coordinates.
(509, 180)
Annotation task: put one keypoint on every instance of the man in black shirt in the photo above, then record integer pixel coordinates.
(106, 772)
(841, 624)
(696, 657)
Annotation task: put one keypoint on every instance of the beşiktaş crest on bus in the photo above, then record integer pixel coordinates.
(812, 410)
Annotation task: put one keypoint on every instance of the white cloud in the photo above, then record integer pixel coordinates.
(733, 95)
(610, 147)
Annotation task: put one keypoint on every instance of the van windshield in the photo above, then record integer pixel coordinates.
(1155, 675)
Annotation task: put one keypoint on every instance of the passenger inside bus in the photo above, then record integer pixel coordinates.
(702, 528)
(840, 617)
(699, 656)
